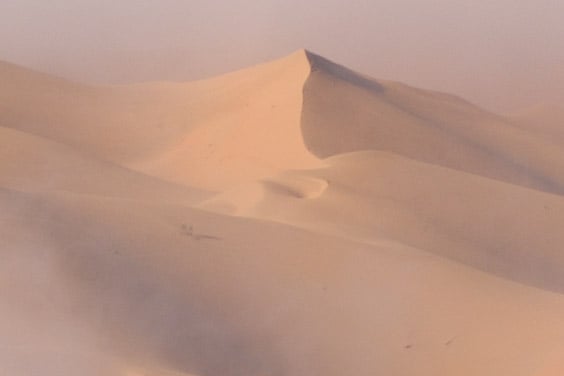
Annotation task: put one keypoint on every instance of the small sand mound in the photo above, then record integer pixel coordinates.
(247, 199)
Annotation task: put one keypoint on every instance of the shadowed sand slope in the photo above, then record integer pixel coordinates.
(357, 227)
(130, 290)
(344, 111)
(546, 120)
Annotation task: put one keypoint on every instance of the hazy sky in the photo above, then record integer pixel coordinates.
(503, 54)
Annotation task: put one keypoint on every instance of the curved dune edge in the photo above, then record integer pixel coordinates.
(208, 134)
(256, 134)
(245, 198)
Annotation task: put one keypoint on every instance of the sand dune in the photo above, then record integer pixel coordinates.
(345, 112)
(356, 226)
(32, 163)
(286, 114)
(497, 227)
(223, 131)
(263, 298)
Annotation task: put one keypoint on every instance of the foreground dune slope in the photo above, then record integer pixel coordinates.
(159, 289)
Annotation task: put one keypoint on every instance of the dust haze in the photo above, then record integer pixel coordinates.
(505, 55)
(315, 211)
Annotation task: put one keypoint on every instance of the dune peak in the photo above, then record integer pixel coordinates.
(322, 64)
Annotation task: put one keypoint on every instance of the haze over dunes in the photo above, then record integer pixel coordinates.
(292, 218)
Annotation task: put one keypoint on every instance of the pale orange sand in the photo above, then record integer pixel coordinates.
(293, 218)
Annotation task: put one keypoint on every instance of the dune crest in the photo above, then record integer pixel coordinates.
(285, 114)
(253, 132)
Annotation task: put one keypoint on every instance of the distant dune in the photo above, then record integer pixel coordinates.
(292, 218)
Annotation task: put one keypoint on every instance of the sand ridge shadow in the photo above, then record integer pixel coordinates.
(189, 231)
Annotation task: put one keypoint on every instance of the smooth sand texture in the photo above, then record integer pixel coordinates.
(346, 112)
(543, 120)
(294, 218)
(495, 226)
(211, 134)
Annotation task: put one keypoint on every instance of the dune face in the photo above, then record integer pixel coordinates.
(344, 112)
(293, 218)
(224, 131)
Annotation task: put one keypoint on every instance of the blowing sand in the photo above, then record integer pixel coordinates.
(293, 218)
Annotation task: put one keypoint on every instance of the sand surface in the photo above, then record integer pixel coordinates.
(292, 218)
